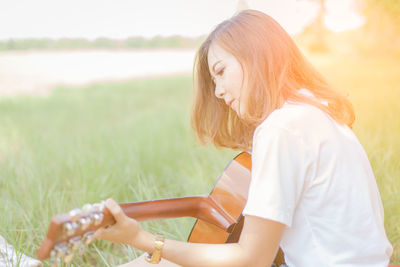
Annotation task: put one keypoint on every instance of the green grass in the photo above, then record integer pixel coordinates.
(132, 141)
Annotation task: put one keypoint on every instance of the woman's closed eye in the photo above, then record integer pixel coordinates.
(221, 71)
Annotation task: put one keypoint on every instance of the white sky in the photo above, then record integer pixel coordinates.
(123, 18)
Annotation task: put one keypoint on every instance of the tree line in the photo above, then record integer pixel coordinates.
(100, 43)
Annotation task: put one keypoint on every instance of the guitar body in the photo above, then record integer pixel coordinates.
(230, 192)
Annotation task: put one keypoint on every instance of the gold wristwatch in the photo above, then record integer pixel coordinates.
(155, 257)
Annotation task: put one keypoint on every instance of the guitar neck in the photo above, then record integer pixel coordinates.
(200, 207)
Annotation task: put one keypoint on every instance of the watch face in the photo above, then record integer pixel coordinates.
(159, 244)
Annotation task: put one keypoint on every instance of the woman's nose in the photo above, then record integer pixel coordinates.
(219, 91)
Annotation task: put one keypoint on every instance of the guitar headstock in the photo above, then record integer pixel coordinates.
(69, 233)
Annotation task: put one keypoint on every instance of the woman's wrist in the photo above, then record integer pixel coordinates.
(144, 241)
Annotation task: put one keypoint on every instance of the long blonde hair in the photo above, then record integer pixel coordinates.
(276, 70)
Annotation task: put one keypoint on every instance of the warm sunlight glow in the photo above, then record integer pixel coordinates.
(47, 18)
(294, 15)
(342, 15)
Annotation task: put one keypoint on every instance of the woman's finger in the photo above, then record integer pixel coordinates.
(115, 209)
(101, 234)
(98, 233)
(106, 234)
(124, 228)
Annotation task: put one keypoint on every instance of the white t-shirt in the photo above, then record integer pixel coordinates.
(312, 174)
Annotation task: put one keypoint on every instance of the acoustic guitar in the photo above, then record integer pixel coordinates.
(219, 216)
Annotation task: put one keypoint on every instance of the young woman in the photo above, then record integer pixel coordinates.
(312, 191)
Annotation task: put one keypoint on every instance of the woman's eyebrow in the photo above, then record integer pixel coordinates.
(213, 67)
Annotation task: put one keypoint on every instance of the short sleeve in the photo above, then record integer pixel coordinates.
(281, 163)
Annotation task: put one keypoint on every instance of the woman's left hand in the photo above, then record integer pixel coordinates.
(125, 230)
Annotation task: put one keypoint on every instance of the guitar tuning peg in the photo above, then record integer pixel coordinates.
(84, 223)
(70, 228)
(81, 250)
(99, 207)
(53, 254)
(74, 243)
(98, 218)
(54, 262)
(69, 255)
(59, 250)
(75, 214)
(88, 237)
(87, 207)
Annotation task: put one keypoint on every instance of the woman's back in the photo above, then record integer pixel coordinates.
(326, 194)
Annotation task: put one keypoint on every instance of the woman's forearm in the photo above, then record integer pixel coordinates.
(257, 246)
(198, 255)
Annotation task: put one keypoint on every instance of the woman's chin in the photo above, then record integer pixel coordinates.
(238, 113)
(237, 108)
(233, 107)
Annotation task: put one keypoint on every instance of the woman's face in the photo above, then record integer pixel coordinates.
(227, 74)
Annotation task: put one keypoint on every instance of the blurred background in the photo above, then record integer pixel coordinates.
(95, 102)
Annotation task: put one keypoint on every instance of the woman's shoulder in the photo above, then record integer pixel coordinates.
(296, 117)
(304, 122)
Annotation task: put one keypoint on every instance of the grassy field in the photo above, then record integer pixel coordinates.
(132, 141)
